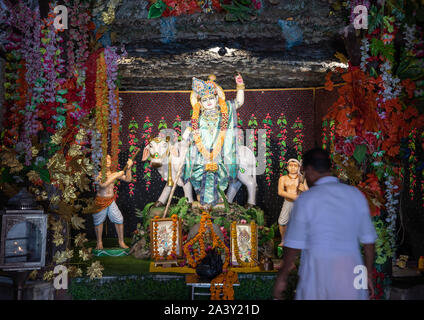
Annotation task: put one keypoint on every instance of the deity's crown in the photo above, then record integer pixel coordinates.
(204, 88)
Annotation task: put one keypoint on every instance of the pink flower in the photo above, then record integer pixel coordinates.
(242, 221)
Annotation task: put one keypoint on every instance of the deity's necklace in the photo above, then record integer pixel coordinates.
(211, 119)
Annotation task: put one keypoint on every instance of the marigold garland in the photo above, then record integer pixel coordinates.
(155, 250)
(205, 223)
(175, 220)
(216, 150)
(253, 243)
(223, 284)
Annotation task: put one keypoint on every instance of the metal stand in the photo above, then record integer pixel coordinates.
(19, 279)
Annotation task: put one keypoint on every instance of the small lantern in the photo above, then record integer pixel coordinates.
(23, 234)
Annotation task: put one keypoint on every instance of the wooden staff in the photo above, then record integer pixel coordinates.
(132, 158)
(180, 170)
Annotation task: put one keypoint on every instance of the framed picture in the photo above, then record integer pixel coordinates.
(165, 237)
(244, 244)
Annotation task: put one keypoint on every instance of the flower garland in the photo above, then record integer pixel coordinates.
(132, 141)
(253, 242)
(216, 150)
(79, 18)
(118, 166)
(114, 135)
(102, 109)
(298, 139)
(268, 153)
(155, 250)
(223, 284)
(365, 48)
(324, 134)
(88, 103)
(391, 195)
(162, 124)
(412, 160)
(177, 127)
(253, 134)
(28, 22)
(205, 223)
(14, 110)
(175, 220)
(111, 59)
(282, 142)
(147, 134)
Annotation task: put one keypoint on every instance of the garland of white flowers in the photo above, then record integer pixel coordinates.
(97, 152)
(365, 48)
(409, 37)
(392, 87)
(392, 195)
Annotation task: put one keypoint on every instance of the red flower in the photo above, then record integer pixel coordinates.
(371, 139)
(348, 149)
(358, 140)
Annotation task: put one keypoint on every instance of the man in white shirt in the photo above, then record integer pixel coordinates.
(328, 223)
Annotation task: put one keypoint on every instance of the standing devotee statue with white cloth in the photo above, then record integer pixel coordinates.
(105, 203)
(211, 161)
(289, 187)
(328, 223)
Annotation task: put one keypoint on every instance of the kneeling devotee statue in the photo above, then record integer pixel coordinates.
(105, 203)
(289, 187)
(211, 160)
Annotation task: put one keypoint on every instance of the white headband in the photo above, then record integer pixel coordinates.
(294, 160)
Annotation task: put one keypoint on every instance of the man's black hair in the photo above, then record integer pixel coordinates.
(318, 159)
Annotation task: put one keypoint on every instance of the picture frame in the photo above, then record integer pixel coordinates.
(247, 242)
(163, 244)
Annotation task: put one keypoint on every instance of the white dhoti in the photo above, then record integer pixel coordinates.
(112, 211)
(285, 213)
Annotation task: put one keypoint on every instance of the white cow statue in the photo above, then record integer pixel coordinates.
(167, 159)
